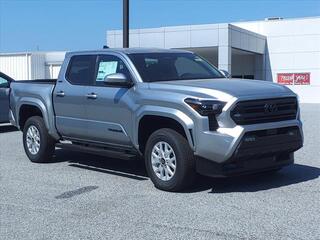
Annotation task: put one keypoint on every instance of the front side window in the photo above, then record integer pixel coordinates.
(81, 69)
(3, 83)
(109, 64)
(154, 67)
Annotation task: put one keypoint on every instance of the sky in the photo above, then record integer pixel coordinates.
(54, 25)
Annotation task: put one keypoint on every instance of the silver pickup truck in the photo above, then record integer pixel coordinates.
(169, 106)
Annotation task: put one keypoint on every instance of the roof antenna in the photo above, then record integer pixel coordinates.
(105, 47)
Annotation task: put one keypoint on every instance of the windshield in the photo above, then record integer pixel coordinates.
(154, 67)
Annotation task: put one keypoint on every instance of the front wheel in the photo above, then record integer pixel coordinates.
(38, 144)
(169, 160)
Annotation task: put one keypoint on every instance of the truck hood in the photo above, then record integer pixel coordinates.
(222, 88)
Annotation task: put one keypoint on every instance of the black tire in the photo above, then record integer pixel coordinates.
(47, 143)
(184, 175)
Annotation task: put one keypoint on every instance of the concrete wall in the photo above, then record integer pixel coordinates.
(293, 46)
(224, 37)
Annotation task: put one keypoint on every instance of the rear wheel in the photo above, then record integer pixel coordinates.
(38, 144)
(169, 160)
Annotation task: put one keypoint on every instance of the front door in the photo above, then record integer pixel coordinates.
(4, 100)
(109, 117)
(70, 95)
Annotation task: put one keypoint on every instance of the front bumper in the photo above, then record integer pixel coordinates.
(256, 151)
(220, 145)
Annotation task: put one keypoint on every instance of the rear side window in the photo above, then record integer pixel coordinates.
(81, 69)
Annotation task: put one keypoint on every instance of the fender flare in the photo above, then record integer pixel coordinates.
(36, 103)
(49, 123)
(185, 121)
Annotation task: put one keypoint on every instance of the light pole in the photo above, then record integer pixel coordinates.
(125, 23)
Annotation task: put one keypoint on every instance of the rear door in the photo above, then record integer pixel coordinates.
(4, 98)
(70, 95)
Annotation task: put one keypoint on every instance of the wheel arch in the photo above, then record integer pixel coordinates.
(162, 117)
(28, 109)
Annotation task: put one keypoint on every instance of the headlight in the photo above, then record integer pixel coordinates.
(205, 107)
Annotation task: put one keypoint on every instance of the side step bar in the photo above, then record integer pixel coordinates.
(103, 150)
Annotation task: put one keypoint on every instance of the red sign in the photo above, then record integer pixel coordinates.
(294, 78)
(302, 79)
(285, 78)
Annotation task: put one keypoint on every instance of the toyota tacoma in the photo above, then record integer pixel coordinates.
(170, 107)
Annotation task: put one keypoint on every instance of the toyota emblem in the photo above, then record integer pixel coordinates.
(270, 108)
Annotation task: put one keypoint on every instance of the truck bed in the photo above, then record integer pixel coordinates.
(34, 93)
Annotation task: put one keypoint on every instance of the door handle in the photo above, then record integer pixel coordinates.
(60, 94)
(91, 95)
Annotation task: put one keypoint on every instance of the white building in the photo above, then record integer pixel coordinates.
(31, 65)
(286, 51)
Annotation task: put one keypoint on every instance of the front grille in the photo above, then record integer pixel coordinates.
(268, 142)
(264, 110)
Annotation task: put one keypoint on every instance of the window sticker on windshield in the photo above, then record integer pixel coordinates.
(105, 69)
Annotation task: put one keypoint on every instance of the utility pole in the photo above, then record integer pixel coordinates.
(125, 23)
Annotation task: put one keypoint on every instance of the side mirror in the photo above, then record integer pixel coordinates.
(225, 73)
(117, 80)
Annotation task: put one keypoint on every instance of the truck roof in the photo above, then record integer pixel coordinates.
(128, 51)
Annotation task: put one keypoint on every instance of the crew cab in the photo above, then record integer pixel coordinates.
(171, 107)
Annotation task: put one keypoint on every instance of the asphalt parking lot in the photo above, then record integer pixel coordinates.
(82, 196)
